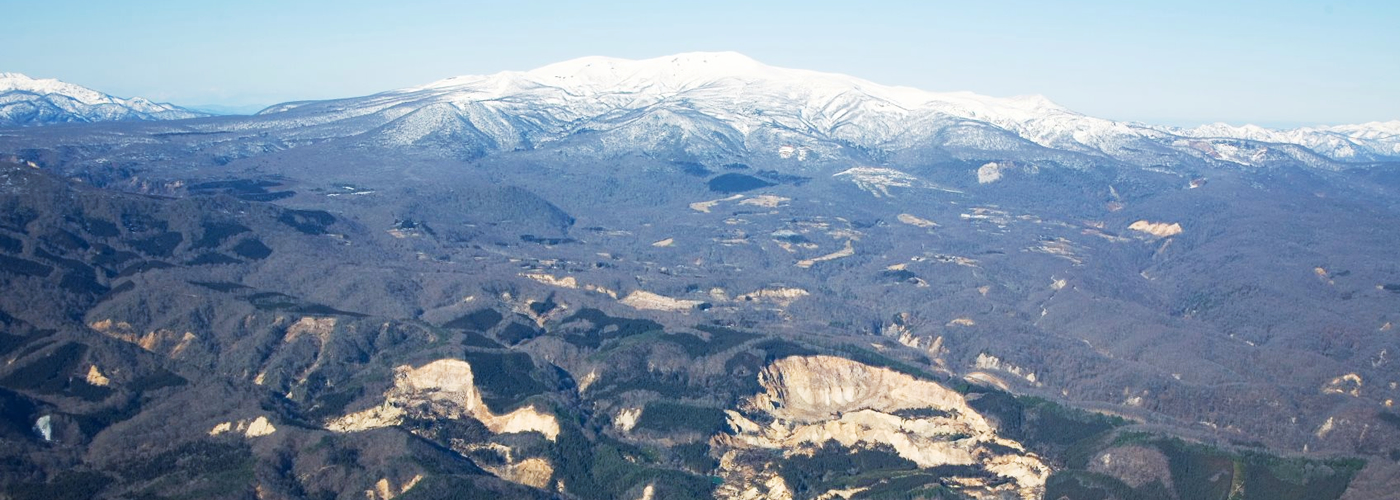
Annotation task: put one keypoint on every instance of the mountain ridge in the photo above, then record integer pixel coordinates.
(745, 99)
(727, 107)
(26, 101)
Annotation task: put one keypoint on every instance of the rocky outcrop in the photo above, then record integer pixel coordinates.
(782, 296)
(161, 341)
(1349, 384)
(1158, 229)
(812, 400)
(878, 180)
(989, 362)
(257, 427)
(534, 471)
(565, 282)
(569, 282)
(644, 300)
(627, 419)
(989, 173)
(766, 201)
(1134, 465)
(385, 490)
(705, 206)
(529, 471)
(916, 221)
(95, 377)
(319, 327)
(848, 251)
(442, 389)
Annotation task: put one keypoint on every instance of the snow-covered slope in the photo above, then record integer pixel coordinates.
(727, 107)
(1363, 142)
(703, 101)
(725, 104)
(26, 101)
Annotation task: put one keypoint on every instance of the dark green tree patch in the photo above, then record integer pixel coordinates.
(720, 340)
(475, 339)
(10, 245)
(24, 267)
(332, 404)
(273, 301)
(692, 168)
(543, 307)
(143, 266)
(901, 275)
(100, 228)
(695, 456)
(913, 413)
(111, 257)
(480, 321)
(736, 183)
(515, 333)
(55, 374)
(1389, 418)
(252, 249)
(64, 240)
(591, 327)
(220, 286)
(835, 466)
(71, 485)
(505, 379)
(191, 459)
(211, 259)
(160, 245)
(17, 414)
(666, 416)
(139, 222)
(158, 379)
(313, 222)
(543, 240)
(775, 349)
(18, 218)
(125, 286)
(216, 233)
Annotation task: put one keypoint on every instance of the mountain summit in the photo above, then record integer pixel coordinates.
(724, 105)
(26, 101)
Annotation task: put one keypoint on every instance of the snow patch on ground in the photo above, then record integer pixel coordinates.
(878, 180)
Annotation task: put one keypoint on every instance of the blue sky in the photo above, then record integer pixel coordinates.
(1181, 62)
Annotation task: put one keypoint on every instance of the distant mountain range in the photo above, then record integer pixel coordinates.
(26, 101)
(726, 105)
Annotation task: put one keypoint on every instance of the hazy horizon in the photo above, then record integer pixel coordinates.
(1278, 64)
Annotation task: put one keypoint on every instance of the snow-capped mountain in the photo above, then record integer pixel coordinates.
(704, 102)
(26, 101)
(722, 107)
(1366, 141)
(726, 104)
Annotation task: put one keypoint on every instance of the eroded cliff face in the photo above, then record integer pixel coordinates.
(442, 389)
(446, 389)
(812, 400)
(533, 471)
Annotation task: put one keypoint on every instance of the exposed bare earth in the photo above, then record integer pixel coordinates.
(815, 399)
